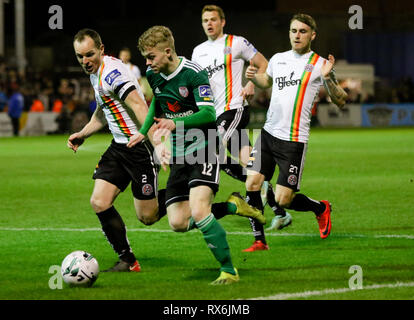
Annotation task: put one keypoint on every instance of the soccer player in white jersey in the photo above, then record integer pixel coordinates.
(223, 57)
(120, 104)
(296, 76)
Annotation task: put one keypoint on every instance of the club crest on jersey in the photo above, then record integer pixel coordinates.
(183, 91)
(147, 189)
(205, 91)
(112, 76)
(227, 50)
(309, 67)
(292, 180)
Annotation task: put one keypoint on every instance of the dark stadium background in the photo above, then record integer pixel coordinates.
(384, 44)
(387, 38)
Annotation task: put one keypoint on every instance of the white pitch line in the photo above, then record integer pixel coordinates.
(306, 294)
(246, 233)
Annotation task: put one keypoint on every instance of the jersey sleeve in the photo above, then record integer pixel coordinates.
(269, 69)
(118, 80)
(247, 50)
(203, 95)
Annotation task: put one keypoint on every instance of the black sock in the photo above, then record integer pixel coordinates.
(234, 170)
(219, 210)
(255, 200)
(302, 203)
(270, 195)
(114, 230)
(162, 209)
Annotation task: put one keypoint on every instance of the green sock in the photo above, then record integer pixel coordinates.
(231, 207)
(191, 224)
(215, 236)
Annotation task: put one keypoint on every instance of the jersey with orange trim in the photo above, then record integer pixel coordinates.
(224, 59)
(112, 84)
(296, 83)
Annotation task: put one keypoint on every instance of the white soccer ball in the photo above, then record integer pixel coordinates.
(80, 268)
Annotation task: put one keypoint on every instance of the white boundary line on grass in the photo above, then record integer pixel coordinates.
(271, 234)
(306, 294)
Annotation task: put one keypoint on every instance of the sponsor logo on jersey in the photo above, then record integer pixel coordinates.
(112, 76)
(205, 91)
(179, 115)
(214, 68)
(183, 91)
(284, 82)
(175, 107)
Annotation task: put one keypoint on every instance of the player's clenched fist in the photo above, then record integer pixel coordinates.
(251, 71)
(74, 141)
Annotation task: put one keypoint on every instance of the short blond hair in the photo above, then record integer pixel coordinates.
(154, 36)
(213, 7)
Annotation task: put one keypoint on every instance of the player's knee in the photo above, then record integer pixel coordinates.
(99, 204)
(283, 200)
(200, 213)
(253, 183)
(147, 216)
(178, 224)
(148, 219)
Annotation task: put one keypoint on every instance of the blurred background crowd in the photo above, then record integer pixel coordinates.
(53, 82)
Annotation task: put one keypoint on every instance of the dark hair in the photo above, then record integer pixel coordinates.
(88, 33)
(306, 19)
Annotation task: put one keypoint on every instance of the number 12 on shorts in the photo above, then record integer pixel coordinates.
(207, 169)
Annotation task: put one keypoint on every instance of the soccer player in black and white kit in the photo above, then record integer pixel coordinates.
(120, 104)
(223, 56)
(296, 76)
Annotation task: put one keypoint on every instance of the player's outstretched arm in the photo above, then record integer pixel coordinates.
(336, 93)
(95, 124)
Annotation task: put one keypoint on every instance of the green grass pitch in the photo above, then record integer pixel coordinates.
(367, 174)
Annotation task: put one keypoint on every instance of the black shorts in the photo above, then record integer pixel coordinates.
(183, 177)
(270, 151)
(231, 126)
(121, 165)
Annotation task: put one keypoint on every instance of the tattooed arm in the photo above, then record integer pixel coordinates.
(336, 93)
